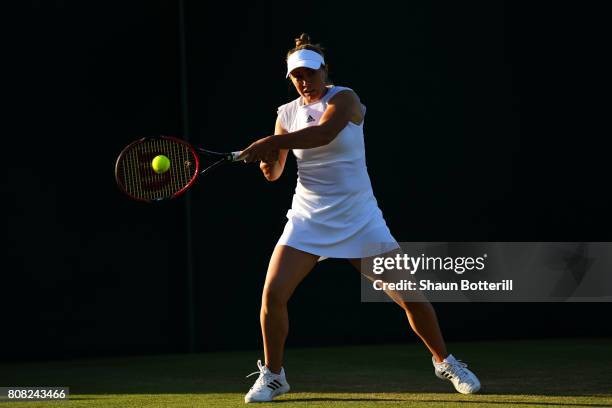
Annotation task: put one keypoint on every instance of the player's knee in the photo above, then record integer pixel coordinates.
(415, 307)
(404, 305)
(273, 298)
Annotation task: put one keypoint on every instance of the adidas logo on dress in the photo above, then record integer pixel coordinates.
(310, 119)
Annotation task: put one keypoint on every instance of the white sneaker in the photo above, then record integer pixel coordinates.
(267, 386)
(456, 372)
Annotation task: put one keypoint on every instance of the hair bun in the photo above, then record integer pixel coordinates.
(303, 39)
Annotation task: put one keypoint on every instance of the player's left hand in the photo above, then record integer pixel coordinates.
(263, 149)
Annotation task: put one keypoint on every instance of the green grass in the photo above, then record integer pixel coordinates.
(544, 373)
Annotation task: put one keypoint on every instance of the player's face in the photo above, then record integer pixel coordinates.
(310, 83)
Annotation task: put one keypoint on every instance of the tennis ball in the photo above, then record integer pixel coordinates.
(160, 164)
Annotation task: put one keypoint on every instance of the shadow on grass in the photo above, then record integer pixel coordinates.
(561, 368)
(323, 399)
(506, 402)
(441, 401)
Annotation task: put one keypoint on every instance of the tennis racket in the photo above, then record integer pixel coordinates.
(135, 175)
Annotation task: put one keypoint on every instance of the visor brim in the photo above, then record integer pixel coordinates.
(303, 64)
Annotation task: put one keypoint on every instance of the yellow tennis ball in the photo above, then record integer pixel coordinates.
(160, 164)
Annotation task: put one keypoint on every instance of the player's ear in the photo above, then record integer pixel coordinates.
(325, 74)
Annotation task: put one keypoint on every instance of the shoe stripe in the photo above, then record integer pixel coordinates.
(273, 386)
(277, 383)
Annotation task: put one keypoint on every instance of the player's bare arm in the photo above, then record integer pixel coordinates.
(341, 109)
(272, 169)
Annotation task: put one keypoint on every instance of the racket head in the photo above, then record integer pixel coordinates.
(135, 175)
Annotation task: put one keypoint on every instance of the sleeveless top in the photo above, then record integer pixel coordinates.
(334, 212)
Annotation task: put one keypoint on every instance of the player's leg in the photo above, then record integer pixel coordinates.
(288, 266)
(421, 315)
(424, 322)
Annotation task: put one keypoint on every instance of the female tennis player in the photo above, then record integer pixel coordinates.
(334, 213)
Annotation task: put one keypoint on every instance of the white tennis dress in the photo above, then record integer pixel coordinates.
(334, 212)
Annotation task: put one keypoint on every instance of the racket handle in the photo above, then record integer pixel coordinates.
(236, 155)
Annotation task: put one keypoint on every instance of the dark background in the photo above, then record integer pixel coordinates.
(485, 123)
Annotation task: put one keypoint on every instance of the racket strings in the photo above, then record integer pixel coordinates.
(141, 181)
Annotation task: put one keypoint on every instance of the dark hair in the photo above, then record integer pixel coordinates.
(303, 43)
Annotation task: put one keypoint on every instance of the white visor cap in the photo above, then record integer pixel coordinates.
(304, 58)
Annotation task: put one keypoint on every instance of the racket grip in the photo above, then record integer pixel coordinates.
(236, 155)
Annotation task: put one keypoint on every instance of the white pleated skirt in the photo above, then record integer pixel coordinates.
(357, 231)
